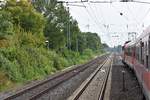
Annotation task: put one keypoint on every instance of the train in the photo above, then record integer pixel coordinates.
(136, 54)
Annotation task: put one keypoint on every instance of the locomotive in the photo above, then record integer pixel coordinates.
(136, 54)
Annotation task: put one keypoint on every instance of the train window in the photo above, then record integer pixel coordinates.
(138, 53)
(135, 55)
(130, 51)
(134, 52)
(146, 47)
(146, 61)
(141, 56)
(123, 48)
(149, 46)
(146, 53)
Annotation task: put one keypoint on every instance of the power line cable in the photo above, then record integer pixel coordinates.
(103, 20)
(119, 12)
(90, 15)
(99, 22)
(134, 18)
(132, 14)
(145, 15)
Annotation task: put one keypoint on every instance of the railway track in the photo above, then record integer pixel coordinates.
(37, 90)
(84, 92)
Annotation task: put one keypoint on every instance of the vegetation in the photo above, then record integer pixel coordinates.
(24, 28)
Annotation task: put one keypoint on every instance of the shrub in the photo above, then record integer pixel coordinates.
(11, 68)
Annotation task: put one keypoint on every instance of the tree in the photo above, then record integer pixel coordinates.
(82, 43)
(75, 31)
(24, 15)
(93, 41)
(57, 22)
(54, 36)
(105, 45)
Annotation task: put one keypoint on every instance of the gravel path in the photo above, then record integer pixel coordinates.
(114, 90)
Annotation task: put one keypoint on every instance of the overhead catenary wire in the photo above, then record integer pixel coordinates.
(104, 22)
(93, 18)
(148, 11)
(134, 18)
(100, 12)
(135, 1)
(89, 17)
(92, 14)
(132, 14)
(97, 19)
(119, 12)
(100, 22)
(91, 1)
(139, 22)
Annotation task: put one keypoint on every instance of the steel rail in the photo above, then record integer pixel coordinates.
(48, 89)
(73, 72)
(78, 94)
(101, 95)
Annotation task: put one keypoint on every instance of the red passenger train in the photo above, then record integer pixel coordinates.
(137, 55)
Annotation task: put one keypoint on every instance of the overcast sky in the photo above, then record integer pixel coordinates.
(105, 19)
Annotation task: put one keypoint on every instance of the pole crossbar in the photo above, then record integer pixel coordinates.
(134, 1)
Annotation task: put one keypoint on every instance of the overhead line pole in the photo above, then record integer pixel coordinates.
(68, 22)
(97, 20)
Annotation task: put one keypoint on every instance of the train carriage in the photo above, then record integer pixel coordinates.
(137, 55)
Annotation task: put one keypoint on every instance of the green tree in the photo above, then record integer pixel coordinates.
(75, 31)
(24, 15)
(58, 19)
(82, 43)
(93, 41)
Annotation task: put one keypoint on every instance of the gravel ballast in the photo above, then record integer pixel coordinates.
(115, 91)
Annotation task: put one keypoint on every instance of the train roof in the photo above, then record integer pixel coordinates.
(144, 34)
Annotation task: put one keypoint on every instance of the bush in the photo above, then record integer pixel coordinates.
(11, 68)
(25, 63)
